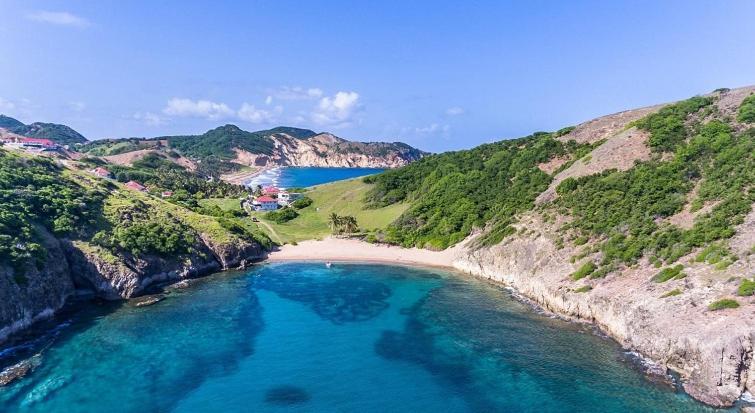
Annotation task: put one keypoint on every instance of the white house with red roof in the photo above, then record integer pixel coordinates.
(270, 190)
(136, 186)
(266, 203)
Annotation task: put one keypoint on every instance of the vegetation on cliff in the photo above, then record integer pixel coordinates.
(36, 193)
(452, 193)
(625, 214)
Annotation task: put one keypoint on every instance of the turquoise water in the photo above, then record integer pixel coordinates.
(354, 338)
(287, 177)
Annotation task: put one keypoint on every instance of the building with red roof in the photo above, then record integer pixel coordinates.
(270, 190)
(37, 142)
(267, 203)
(101, 172)
(136, 186)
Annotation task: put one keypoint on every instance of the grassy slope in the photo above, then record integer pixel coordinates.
(343, 198)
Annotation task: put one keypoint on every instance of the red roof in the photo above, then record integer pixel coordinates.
(266, 199)
(270, 190)
(43, 142)
(135, 185)
(100, 171)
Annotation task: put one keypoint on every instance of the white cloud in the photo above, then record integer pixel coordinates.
(77, 106)
(252, 114)
(268, 100)
(6, 104)
(150, 118)
(60, 18)
(197, 109)
(296, 93)
(337, 110)
(432, 129)
(455, 111)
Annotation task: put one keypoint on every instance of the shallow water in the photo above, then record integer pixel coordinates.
(300, 337)
(288, 177)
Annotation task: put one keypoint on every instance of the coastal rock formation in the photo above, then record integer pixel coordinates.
(80, 265)
(712, 350)
(328, 150)
(36, 294)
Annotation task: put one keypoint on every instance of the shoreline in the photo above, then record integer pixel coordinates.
(351, 250)
(241, 178)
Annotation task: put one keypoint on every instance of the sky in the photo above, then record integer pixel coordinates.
(438, 75)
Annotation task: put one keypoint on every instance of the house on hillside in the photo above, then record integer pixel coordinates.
(37, 143)
(101, 172)
(136, 186)
(166, 194)
(270, 190)
(266, 203)
(285, 198)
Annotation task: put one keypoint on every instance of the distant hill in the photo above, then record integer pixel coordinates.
(61, 134)
(8, 122)
(228, 148)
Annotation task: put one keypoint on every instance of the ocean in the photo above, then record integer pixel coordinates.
(300, 337)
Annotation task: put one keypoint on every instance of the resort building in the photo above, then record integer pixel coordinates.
(267, 203)
(270, 190)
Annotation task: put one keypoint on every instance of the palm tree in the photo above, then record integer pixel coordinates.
(350, 223)
(335, 222)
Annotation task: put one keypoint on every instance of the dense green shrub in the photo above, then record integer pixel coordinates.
(746, 288)
(34, 193)
(156, 236)
(452, 193)
(722, 304)
(669, 273)
(585, 270)
(583, 289)
(747, 110)
(667, 126)
(302, 202)
(282, 215)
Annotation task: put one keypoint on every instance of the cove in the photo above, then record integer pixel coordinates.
(304, 176)
(301, 337)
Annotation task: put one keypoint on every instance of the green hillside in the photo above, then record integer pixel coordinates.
(623, 212)
(61, 134)
(220, 142)
(9, 123)
(37, 195)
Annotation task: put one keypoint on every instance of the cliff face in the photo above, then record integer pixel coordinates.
(70, 265)
(329, 150)
(38, 293)
(712, 350)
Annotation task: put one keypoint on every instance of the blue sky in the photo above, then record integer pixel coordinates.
(438, 75)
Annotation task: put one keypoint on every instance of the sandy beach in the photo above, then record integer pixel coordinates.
(350, 250)
(241, 178)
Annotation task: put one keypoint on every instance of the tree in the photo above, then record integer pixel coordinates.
(350, 224)
(335, 222)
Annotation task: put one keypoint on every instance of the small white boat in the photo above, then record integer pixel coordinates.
(328, 264)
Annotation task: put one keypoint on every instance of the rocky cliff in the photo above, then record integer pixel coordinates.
(669, 321)
(328, 150)
(711, 350)
(78, 265)
(64, 231)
